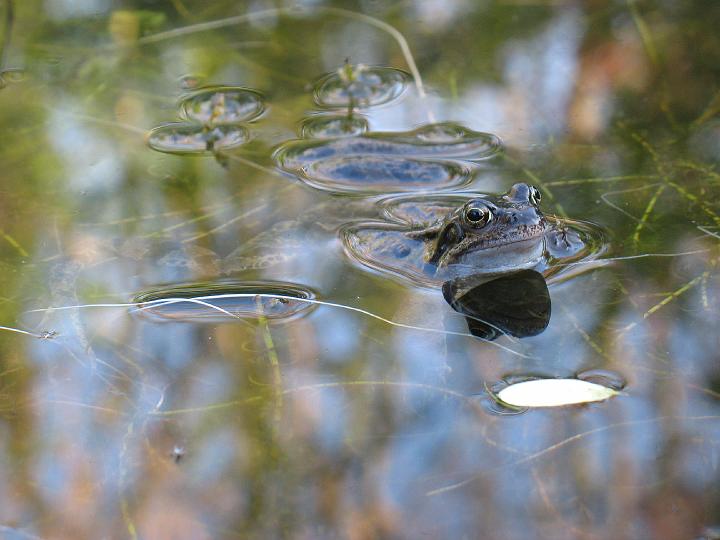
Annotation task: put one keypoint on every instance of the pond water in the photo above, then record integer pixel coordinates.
(266, 270)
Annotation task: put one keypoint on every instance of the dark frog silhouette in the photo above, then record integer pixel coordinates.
(433, 240)
(516, 304)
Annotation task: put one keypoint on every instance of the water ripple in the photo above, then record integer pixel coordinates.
(222, 105)
(223, 301)
(395, 247)
(364, 173)
(360, 86)
(192, 138)
(422, 159)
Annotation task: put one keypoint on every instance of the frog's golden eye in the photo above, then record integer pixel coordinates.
(535, 195)
(478, 216)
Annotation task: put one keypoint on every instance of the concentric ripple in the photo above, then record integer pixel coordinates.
(213, 121)
(224, 301)
(360, 86)
(222, 105)
(192, 138)
(422, 159)
(366, 173)
(457, 142)
(421, 209)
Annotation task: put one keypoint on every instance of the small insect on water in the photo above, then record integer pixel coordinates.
(178, 453)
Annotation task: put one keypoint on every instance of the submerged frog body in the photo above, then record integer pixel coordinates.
(435, 240)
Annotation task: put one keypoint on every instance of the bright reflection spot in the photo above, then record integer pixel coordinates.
(92, 160)
(66, 9)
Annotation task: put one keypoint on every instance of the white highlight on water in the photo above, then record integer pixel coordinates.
(203, 300)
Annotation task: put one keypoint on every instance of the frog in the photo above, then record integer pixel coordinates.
(430, 241)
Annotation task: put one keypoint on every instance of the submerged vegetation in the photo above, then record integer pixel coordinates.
(271, 383)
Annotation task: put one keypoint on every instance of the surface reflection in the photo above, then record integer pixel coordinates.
(216, 117)
(432, 239)
(430, 158)
(517, 305)
(361, 417)
(360, 86)
(224, 301)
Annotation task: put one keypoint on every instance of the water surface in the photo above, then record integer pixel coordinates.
(141, 153)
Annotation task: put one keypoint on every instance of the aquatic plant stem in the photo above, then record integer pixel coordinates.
(695, 199)
(274, 365)
(25, 332)
(665, 301)
(396, 35)
(644, 31)
(14, 243)
(712, 108)
(7, 32)
(203, 301)
(181, 9)
(124, 503)
(536, 455)
(163, 302)
(604, 197)
(257, 15)
(646, 215)
(467, 400)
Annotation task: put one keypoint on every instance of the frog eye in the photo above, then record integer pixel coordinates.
(535, 195)
(478, 216)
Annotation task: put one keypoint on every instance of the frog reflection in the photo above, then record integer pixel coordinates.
(468, 238)
(517, 304)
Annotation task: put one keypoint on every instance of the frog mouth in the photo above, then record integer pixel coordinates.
(449, 236)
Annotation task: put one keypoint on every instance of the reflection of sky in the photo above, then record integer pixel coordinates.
(174, 344)
(92, 160)
(341, 333)
(215, 454)
(357, 42)
(439, 14)
(530, 105)
(416, 445)
(332, 429)
(66, 9)
(422, 355)
(562, 349)
(539, 75)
